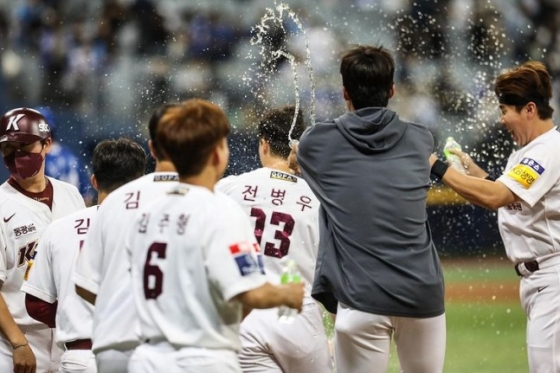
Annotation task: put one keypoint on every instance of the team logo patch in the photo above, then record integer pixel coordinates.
(43, 127)
(283, 176)
(243, 255)
(526, 172)
(166, 178)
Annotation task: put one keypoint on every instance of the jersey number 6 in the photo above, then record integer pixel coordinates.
(282, 235)
(153, 276)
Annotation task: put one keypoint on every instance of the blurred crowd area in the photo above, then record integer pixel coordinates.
(103, 65)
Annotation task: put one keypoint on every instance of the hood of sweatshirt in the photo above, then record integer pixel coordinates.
(371, 130)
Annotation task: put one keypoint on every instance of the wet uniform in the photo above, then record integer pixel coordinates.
(193, 251)
(531, 233)
(103, 268)
(284, 213)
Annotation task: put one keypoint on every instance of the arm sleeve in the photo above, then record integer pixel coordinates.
(532, 177)
(41, 283)
(232, 253)
(88, 270)
(40, 310)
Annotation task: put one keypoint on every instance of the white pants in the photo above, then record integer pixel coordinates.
(271, 347)
(78, 361)
(41, 341)
(113, 361)
(363, 342)
(543, 318)
(164, 358)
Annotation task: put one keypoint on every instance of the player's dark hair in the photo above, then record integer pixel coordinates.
(367, 74)
(188, 134)
(116, 162)
(529, 82)
(275, 126)
(153, 125)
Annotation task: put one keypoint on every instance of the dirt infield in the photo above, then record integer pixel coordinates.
(476, 285)
(482, 291)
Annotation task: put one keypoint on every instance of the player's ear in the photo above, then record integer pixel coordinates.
(264, 146)
(47, 144)
(392, 91)
(151, 149)
(93, 180)
(345, 94)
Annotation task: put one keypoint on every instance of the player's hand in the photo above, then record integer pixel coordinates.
(469, 166)
(24, 360)
(292, 159)
(294, 295)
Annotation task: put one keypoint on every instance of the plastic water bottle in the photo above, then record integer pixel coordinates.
(290, 274)
(453, 159)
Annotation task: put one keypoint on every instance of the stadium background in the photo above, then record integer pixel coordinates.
(102, 66)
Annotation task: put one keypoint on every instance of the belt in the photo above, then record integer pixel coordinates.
(531, 266)
(79, 344)
(526, 268)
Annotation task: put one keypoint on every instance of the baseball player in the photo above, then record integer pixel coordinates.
(527, 198)
(102, 274)
(284, 212)
(29, 201)
(195, 260)
(50, 291)
(378, 268)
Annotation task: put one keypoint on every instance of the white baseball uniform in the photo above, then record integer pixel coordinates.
(50, 280)
(284, 212)
(103, 268)
(530, 230)
(23, 222)
(193, 251)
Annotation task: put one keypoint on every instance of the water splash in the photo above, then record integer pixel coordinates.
(266, 68)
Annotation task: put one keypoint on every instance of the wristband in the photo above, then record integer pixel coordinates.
(20, 345)
(439, 168)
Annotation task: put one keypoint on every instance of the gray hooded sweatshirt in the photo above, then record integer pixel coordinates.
(370, 171)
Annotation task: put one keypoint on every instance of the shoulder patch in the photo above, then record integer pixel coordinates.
(283, 176)
(526, 172)
(243, 254)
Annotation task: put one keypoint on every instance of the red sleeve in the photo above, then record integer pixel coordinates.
(40, 310)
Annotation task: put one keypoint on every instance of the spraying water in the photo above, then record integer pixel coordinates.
(267, 68)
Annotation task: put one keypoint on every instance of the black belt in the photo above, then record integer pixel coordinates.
(524, 267)
(80, 344)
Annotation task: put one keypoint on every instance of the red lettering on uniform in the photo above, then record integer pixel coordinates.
(277, 196)
(27, 252)
(283, 235)
(304, 201)
(82, 226)
(132, 200)
(153, 276)
(250, 193)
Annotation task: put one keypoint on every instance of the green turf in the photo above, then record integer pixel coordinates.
(483, 338)
(478, 271)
